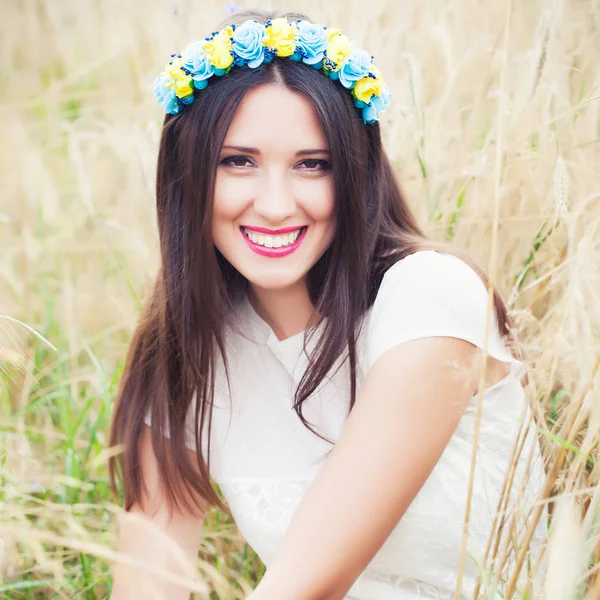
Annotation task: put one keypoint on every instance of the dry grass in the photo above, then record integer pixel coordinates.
(495, 132)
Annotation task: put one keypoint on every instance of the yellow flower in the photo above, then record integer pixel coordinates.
(180, 81)
(338, 49)
(367, 87)
(219, 49)
(281, 35)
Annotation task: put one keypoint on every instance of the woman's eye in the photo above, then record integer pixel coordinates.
(314, 164)
(236, 161)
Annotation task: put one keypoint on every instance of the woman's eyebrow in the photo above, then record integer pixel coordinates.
(256, 151)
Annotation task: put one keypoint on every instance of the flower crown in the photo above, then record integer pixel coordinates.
(253, 44)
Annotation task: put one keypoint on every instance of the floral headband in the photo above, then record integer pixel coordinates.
(253, 44)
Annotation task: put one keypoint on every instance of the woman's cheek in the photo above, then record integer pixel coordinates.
(231, 195)
(319, 198)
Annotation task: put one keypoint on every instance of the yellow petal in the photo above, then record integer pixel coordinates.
(219, 50)
(331, 33)
(222, 57)
(281, 35)
(183, 88)
(365, 88)
(338, 49)
(181, 81)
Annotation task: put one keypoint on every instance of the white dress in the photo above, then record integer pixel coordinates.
(265, 459)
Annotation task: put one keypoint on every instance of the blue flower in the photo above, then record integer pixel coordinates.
(369, 114)
(165, 96)
(383, 101)
(355, 67)
(312, 40)
(371, 111)
(197, 62)
(248, 43)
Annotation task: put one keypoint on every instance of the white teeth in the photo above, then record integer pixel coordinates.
(270, 241)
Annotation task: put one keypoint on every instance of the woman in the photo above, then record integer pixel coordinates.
(299, 299)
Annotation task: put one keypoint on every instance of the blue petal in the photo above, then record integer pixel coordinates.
(256, 62)
(383, 101)
(170, 105)
(369, 114)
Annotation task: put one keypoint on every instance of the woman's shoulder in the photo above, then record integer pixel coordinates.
(433, 274)
(427, 263)
(431, 293)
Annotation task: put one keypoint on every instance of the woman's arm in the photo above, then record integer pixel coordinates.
(155, 540)
(405, 413)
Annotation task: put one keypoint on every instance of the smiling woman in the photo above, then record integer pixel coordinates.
(282, 185)
(300, 306)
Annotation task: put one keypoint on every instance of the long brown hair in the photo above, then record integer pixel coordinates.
(172, 354)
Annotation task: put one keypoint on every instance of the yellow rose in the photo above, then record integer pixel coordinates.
(281, 35)
(338, 49)
(181, 82)
(219, 49)
(367, 87)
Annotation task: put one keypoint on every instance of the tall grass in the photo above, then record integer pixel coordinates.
(495, 133)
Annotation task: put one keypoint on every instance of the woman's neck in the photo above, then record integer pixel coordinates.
(286, 311)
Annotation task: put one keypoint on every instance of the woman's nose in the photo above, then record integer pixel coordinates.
(275, 199)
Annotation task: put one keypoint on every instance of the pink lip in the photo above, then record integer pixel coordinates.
(274, 252)
(272, 231)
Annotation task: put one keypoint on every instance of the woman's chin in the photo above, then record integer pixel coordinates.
(272, 281)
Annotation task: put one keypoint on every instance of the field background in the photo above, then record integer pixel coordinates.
(494, 130)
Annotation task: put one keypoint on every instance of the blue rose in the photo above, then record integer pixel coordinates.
(248, 43)
(312, 40)
(165, 96)
(383, 101)
(196, 61)
(369, 114)
(355, 67)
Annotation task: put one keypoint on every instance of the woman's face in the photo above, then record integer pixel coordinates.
(274, 182)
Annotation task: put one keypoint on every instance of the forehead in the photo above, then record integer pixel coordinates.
(271, 115)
